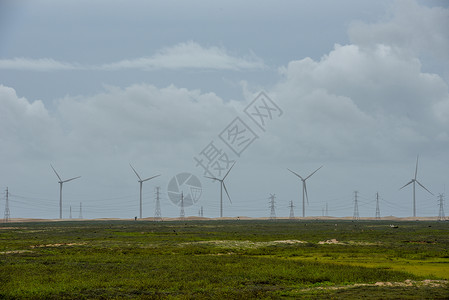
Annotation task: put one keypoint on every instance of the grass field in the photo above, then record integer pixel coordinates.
(224, 259)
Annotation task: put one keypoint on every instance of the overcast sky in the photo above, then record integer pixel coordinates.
(360, 87)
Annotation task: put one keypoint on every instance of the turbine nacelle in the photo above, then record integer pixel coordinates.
(304, 187)
(60, 188)
(413, 180)
(141, 181)
(222, 186)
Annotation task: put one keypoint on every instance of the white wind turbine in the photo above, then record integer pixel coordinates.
(414, 180)
(60, 189)
(222, 186)
(141, 181)
(304, 189)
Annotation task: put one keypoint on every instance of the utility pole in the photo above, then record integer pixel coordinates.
(292, 213)
(7, 212)
(70, 211)
(182, 214)
(356, 207)
(81, 211)
(157, 212)
(377, 207)
(441, 216)
(272, 207)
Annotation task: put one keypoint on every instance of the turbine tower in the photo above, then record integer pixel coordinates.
(222, 186)
(61, 182)
(304, 189)
(141, 181)
(414, 181)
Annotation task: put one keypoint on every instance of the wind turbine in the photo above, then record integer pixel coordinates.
(222, 186)
(141, 181)
(60, 189)
(304, 189)
(414, 180)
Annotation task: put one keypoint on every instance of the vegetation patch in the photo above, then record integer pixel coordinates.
(223, 259)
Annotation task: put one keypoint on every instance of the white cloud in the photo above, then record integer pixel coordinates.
(362, 102)
(143, 120)
(189, 55)
(26, 129)
(42, 64)
(411, 27)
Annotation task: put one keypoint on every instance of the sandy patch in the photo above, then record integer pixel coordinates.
(331, 241)
(58, 245)
(244, 244)
(406, 283)
(15, 251)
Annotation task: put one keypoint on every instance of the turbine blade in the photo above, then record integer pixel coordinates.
(424, 187)
(305, 190)
(71, 179)
(229, 171)
(296, 174)
(151, 178)
(407, 184)
(214, 178)
(135, 172)
(56, 172)
(416, 170)
(224, 186)
(313, 173)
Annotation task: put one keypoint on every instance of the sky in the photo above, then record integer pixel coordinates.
(189, 89)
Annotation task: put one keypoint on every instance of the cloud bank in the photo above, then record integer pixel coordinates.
(189, 55)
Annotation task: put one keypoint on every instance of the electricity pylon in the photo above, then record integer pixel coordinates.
(292, 213)
(157, 212)
(272, 207)
(7, 212)
(377, 207)
(356, 207)
(182, 213)
(441, 216)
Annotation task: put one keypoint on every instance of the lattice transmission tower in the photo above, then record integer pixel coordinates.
(182, 214)
(441, 216)
(7, 212)
(157, 211)
(272, 207)
(377, 207)
(356, 207)
(292, 212)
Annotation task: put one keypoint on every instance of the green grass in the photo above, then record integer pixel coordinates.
(222, 259)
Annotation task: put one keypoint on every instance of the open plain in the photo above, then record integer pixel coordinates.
(238, 259)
